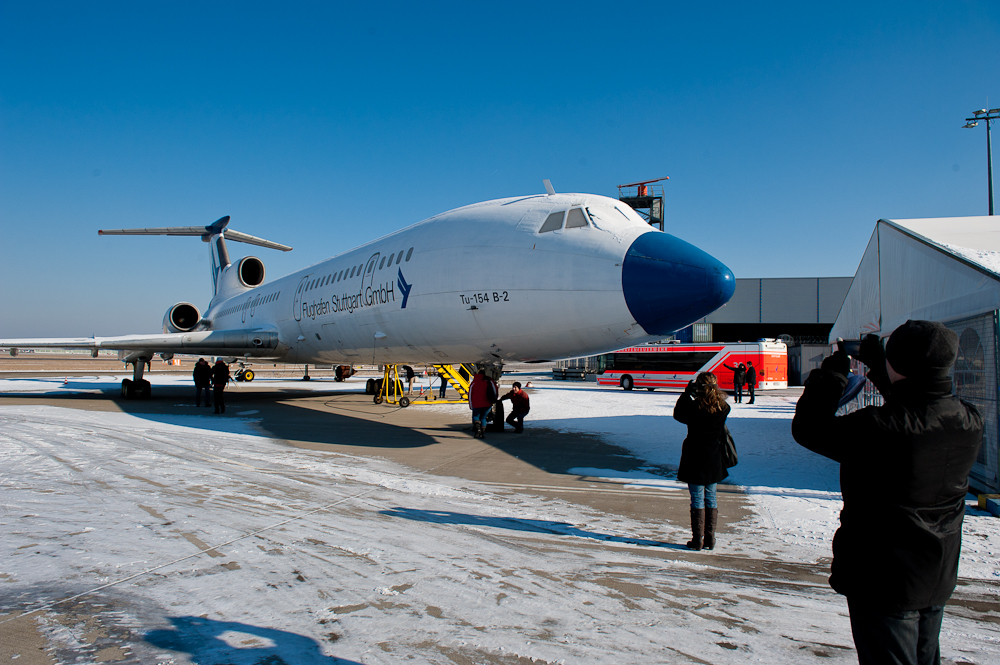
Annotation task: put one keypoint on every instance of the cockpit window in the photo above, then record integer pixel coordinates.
(553, 222)
(576, 218)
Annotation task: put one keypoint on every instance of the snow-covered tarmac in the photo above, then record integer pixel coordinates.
(202, 539)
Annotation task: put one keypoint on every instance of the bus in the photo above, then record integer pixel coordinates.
(673, 365)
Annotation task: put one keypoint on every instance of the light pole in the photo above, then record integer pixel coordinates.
(989, 116)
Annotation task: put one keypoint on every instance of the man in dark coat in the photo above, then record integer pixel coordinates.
(220, 377)
(751, 379)
(739, 378)
(202, 381)
(904, 470)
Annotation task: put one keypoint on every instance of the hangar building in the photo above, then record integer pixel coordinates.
(799, 310)
(947, 270)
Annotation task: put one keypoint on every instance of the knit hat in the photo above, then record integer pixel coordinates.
(922, 349)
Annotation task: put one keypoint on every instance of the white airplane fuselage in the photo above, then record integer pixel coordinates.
(484, 285)
(520, 279)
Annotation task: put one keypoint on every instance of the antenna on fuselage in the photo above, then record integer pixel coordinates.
(548, 187)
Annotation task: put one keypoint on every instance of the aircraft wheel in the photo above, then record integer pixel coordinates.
(126, 389)
(404, 402)
(370, 387)
(248, 375)
(147, 389)
(377, 399)
(627, 382)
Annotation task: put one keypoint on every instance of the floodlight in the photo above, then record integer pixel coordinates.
(969, 125)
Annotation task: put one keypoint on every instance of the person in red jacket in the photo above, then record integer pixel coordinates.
(482, 397)
(520, 405)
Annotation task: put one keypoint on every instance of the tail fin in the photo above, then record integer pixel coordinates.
(215, 233)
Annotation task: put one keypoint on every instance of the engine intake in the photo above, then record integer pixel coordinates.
(251, 271)
(182, 317)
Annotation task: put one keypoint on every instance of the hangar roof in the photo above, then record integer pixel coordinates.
(941, 269)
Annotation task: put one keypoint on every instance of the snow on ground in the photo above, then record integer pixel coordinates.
(795, 493)
(318, 555)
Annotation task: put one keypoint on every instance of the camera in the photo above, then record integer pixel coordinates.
(852, 347)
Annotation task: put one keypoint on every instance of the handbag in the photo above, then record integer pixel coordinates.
(729, 449)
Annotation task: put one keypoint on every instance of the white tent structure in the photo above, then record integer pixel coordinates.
(944, 269)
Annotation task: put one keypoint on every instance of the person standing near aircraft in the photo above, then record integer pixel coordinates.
(444, 385)
(482, 396)
(202, 381)
(904, 469)
(520, 405)
(751, 380)
(739, 378)
(410, 375)
(220, 377)
(702, 407)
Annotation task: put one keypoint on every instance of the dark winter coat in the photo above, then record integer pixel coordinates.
(739, 375)
(701, 454)
(904, 470)
(202, 375)
(519, 401)
(751, 377)
(220, 375)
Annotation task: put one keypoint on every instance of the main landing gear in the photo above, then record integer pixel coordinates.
(137, 387)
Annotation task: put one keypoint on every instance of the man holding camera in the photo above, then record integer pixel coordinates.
(904, 470)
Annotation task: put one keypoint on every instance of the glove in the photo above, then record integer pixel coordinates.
(838, 362)
(871, 353)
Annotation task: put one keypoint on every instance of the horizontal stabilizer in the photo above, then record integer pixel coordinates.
(205, 232)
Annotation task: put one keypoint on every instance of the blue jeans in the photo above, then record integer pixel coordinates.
(900, 638)
(480, 414)
(703, 496)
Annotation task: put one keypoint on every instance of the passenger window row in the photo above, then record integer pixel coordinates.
(576, 218)
(357, 270)
(271, 297)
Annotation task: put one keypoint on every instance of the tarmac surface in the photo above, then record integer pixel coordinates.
(431, 442)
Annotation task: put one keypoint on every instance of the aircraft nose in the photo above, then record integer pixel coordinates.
(668, 283)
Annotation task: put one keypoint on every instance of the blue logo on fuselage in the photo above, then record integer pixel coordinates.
(403, 287)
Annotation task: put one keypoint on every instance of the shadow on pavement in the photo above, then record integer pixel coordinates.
(211, 642)
(517, 524)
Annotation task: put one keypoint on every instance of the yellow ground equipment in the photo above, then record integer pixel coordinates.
(390, 388)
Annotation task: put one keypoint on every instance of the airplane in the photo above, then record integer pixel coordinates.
(523, 279)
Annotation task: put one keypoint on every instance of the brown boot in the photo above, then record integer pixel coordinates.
(711, 519)
(697, 528)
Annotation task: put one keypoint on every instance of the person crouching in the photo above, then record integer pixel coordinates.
(520, 405)
(702, 407)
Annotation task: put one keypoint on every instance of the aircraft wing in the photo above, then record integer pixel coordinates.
(256, 343)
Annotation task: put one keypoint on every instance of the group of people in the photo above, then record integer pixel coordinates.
(483, 394)
(215, 378)
(743, 375)
(904, 469)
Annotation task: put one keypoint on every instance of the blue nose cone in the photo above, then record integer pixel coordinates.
(669, 284)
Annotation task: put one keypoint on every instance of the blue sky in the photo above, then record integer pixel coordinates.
(787, 130)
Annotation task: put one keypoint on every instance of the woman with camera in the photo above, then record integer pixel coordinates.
(702, 407)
